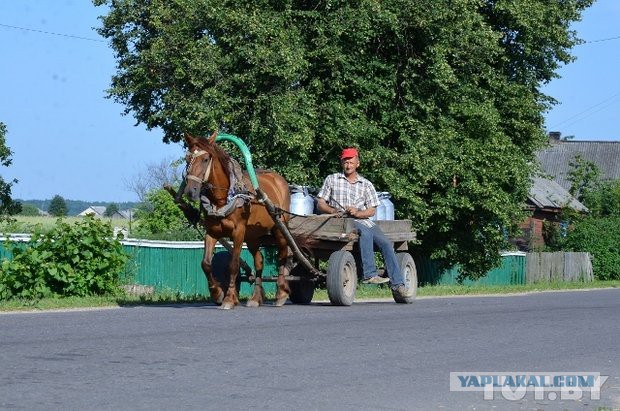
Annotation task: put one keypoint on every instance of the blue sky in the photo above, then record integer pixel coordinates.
(68, 139)
(589, 88)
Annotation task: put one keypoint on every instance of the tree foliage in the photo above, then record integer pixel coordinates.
(7, 205)
(159, 218)
(29, 210)
(584, 176)
(442, 96)
(58, 206)
(600, 237)
(599, 232)
(110, 210)
(604, 200)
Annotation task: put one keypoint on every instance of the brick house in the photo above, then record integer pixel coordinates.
(546, 200)
(548, 196)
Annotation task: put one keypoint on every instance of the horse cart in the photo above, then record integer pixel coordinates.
(324, 247)
(329, 243)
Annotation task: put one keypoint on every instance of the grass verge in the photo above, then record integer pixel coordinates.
(363, 292)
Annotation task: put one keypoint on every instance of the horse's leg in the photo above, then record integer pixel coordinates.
(232, 296)
(285, 263)
(215, 289)
(258, 296)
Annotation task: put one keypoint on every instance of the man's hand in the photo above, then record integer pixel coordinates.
(353, 212)
(356, 213)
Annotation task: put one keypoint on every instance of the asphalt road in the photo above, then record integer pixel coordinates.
(375, 356)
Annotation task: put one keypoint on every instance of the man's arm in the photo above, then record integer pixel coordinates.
(324, 207)
(354, 212)
(351, 211)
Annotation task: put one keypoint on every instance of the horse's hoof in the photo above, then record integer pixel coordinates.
(252, 304)
(218, 299)
(226, 306)
(280, 301)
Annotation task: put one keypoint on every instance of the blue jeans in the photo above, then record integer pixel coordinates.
(373, 236)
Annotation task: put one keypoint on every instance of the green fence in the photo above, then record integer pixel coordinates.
(175, 266)
(512, 271)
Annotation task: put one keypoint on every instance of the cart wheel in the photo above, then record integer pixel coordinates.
(220, 265)
(302, 291)
(407, 268)
(341, 278)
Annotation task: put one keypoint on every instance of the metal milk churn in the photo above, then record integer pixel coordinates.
(302, 202)
(380, 211)
(389, 206)
(385, 211)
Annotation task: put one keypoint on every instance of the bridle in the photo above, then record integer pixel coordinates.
(195, 154)
(204, 181)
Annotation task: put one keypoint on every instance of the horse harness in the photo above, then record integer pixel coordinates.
(238, 194)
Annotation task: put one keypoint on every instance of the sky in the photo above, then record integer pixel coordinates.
(68, 139)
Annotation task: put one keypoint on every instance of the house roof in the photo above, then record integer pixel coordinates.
(99, 211)
(555, 160)
(546, 193)
(128, 214)
(96, 210)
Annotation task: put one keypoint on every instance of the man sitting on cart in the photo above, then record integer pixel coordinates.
(352, 195)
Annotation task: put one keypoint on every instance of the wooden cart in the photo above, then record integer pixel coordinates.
(334, 240)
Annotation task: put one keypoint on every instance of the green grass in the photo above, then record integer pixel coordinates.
(373, 291)
(363, 292)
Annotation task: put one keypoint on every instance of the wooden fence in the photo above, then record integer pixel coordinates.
(559, 266)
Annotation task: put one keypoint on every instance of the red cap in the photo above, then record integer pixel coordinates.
(348, 153)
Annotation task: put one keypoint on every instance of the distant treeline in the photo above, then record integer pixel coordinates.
(74, 207)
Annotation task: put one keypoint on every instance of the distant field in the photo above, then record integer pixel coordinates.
(26, 224)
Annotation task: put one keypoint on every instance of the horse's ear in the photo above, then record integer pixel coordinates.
(190, 140)
(212, 138)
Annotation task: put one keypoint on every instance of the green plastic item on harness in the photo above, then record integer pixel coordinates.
(247, 157)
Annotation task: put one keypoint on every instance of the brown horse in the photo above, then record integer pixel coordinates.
(210, 174)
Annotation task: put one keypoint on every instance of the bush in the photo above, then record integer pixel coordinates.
(161, 219)
(29, 210)
(80, 259)
(601, 238)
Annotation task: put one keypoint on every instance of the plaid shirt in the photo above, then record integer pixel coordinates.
(339, 193)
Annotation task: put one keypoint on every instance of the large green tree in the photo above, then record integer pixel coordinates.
(111, 209)
(58, 206)
(442, 96)
(7, 205)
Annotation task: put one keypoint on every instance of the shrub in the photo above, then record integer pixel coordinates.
(29, 210)
(161, 219)
(70, 260)
(601, 238)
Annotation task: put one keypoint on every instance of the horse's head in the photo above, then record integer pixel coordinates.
(199, 164)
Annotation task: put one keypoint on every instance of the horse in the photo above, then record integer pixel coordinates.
(210, 175)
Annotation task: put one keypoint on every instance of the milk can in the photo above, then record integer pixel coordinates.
(379, 211)
(385, 210)
(302, 202)
(388, 206)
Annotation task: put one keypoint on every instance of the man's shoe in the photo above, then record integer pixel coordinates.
(400, 291)
(375, 280)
